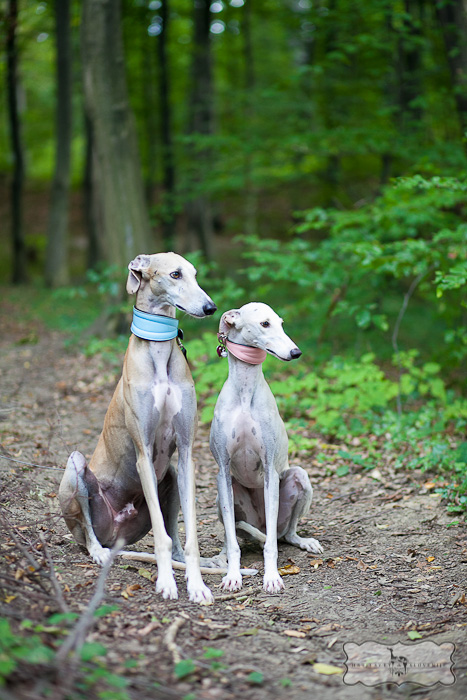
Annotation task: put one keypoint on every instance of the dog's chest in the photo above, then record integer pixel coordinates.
(167, 398)
(247, 446)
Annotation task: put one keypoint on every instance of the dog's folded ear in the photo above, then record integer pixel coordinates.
(230, 319)
(137, 266)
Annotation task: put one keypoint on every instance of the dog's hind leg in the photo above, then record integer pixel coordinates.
(74, 495)
(170, 505)
(295, 496)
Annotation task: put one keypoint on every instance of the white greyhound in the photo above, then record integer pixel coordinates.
(130, 486)
(259, 494)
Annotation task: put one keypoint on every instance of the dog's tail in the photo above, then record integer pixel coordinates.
(150, 557)
(252, 531)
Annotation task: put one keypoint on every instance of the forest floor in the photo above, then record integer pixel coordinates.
(394, 565)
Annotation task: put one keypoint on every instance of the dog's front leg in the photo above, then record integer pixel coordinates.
(272, 582)
(233, 579)
(198, 592)
(165, 582)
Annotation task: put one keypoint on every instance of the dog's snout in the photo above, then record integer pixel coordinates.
(295, 353)
(209, 308)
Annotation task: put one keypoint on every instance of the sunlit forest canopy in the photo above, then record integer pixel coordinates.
(330, 130)
(312, 102)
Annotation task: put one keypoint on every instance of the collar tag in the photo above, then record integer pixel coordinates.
(153, 326)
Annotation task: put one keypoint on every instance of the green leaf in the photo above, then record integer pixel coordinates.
(413, 634)
(342, 470)
(145, 573)
(255, 678)
(105, 610)
(90, 650)
(211, 653)
(184, 668)
(61, 617)
(327, 669)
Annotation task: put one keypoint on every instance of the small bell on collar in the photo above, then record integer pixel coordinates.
(221, 349)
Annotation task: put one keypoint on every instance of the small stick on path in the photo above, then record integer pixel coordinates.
(169, 638)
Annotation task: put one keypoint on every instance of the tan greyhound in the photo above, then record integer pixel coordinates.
(260, 496)
(130, 486)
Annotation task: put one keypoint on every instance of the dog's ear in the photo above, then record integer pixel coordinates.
(230, 319)
(137, 266)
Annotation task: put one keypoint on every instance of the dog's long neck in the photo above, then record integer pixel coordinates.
(147, 302)
(244, 378)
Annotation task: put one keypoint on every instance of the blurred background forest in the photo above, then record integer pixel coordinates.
(307, 153)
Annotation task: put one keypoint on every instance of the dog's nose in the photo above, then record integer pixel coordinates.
(295, 353)
(209, 308)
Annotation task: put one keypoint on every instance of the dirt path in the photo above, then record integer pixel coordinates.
(393, 563)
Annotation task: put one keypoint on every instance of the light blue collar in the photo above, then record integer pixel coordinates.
(153, 327)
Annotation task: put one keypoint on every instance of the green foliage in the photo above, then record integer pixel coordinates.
(184, 668)
(352, 268)
(18, 648)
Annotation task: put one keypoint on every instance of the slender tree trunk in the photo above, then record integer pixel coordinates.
(19, 271)
(199, 210)
(332, 172)
(56, 261)
(409, 66)
(95, 255)
(121, 206)
(168, 166)
(452, 17)
(251, 195)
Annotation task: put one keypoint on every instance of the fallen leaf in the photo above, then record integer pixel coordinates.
(145, 573)
(289, 569)
(294, 633)
(316, 562)
(430, 559)
(249, 633)
(327, 669)
(9, 598)
(413, 634)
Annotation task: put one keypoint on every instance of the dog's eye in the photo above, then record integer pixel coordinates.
(176, 275)
(265, 324)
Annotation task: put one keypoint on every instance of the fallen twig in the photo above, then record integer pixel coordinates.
(180, 566)
(76, 638)
(244, 593)
(169, 638)
(53, 578)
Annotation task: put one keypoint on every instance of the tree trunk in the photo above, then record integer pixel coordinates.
(199, 212)
(409, 66)
(56, 261)
(452, 17)
(120, 202)
(90, 214)
(251, 195)
(19, 271)
(168, 223)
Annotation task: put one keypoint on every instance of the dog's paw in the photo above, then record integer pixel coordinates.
(272, 583)
(232, 582)
(100, 555)
(167, 587)
(311, 545)
(307, 543)
(201, 594)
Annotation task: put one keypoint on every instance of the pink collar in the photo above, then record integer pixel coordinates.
(246, 353)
